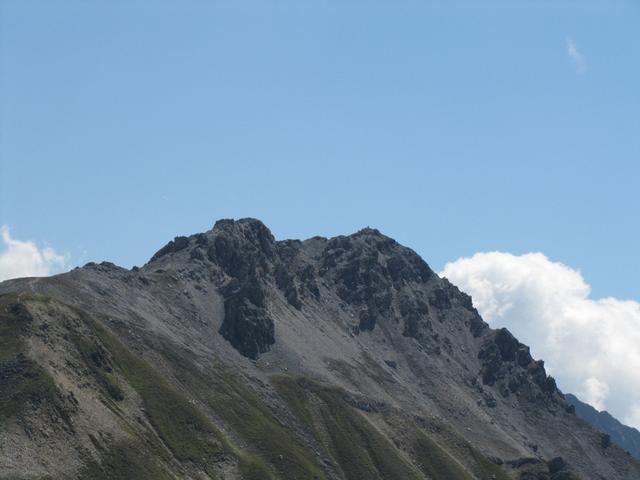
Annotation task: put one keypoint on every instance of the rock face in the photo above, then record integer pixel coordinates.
(508, 364)
(233, 355)
(245, 252)
(368, 270)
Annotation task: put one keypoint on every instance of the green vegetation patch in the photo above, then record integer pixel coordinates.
(296, 393)
(253, 468)
(485, 469)
(359, 448)
(15, 323)
(98, 362)
(435, 462)
(22, 381)
(185, 431)
(264, 438)
(123, 461)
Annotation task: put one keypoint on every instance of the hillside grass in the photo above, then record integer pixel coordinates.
(124, 461)
(435, 462)
(183, 428)
(264, 447)
(263, 437)
(357, 446)
(485, 469)
(23, 382)
(363, 452)
(187, 433)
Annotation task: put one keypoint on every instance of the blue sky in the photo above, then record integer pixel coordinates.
(501, 141)
(455, 128)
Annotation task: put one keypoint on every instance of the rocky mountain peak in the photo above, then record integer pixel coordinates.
(376, 279)
(246, 231)
(330, 358)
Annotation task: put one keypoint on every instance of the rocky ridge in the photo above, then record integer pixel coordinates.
(349, 353)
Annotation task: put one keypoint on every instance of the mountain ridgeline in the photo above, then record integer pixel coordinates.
(231, 355)
(627, 437)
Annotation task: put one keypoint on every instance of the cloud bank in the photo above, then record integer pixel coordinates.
(591, 346)
(24, 259)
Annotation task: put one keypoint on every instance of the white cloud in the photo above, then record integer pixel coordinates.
(576, 57)
(25, 259)
(591, 346)
(634, 417)
(595, 392)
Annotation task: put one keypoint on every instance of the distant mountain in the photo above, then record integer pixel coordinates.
(627, 437)
(231, 355)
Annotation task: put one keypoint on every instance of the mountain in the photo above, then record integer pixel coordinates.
(627, 437)
(231, 355)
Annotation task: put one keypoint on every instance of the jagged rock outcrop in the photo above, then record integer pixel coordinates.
(231, 354)
(508, 364)
(367, 270)
(245, 252)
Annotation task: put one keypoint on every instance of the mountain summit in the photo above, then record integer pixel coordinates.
(232, 355)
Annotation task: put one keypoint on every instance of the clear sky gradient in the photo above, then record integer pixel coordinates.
(453, 127)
